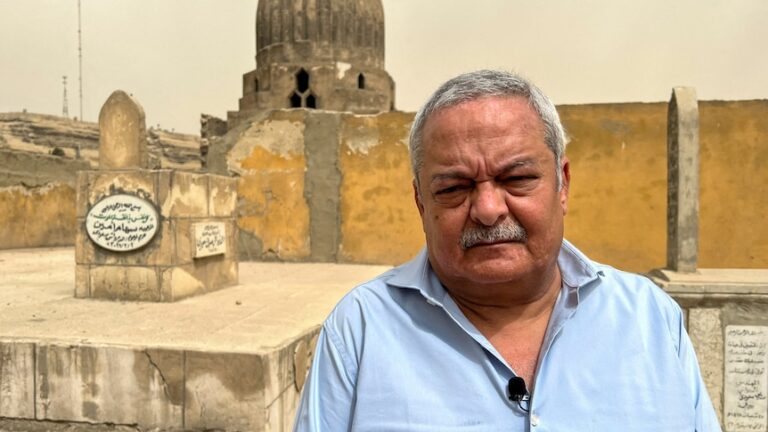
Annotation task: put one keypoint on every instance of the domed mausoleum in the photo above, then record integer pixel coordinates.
(324, 54)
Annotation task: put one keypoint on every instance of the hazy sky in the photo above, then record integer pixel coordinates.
(181, 58)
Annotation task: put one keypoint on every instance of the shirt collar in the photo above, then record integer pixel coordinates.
(575, 268)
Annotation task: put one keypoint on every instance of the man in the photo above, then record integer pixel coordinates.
(500, 324)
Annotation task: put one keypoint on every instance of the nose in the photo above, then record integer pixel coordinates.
(488, 205)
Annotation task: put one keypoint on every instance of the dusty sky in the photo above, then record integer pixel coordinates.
(184, 57)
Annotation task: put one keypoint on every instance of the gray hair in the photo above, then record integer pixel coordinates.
(487, 83)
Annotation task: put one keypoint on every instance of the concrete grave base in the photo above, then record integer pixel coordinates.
(232, 360)
(166, 269)
(713, 299)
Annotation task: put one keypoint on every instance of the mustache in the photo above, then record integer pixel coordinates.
(508, 230)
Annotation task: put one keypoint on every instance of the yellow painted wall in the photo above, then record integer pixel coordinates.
(269, 158)
(617, 206)
(37, 216)
(618, 194)
(379, 220)
(617, 209)
(734, 184)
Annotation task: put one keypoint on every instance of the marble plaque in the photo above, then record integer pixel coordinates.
(210, 238)
(746, 381)
(122, 222)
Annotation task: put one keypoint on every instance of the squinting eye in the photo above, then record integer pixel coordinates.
(519, 179)
(448, 190)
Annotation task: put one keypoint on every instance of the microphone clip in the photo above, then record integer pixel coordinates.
(517, 392)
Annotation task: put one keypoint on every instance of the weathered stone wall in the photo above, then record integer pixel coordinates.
(115, 387)
(617, 212)
(38, 167)
(37, 199)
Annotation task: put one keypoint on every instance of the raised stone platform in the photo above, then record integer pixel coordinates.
(720, 304)
(227, 360)
(712, 282)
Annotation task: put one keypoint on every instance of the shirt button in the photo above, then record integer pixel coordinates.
(534, 420)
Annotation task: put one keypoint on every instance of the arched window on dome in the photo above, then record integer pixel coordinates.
(302, 96)
(360, 81)
(302, 80)
(295, 100)
(256, 84)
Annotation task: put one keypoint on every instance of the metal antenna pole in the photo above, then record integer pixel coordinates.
(80, 58)
(65, 107)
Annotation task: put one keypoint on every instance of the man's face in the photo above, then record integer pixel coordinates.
(487, 173)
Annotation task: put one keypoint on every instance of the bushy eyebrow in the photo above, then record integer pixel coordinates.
(452, 175)
(516, 164)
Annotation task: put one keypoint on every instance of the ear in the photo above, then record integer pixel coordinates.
(417, 198)
(565, 172)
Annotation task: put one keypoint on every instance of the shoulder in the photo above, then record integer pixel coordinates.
(381, 298)
(604, 283)
(637, 286)
(372, 304)
(641, 300)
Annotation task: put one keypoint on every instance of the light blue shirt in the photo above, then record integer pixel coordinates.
(397, 354)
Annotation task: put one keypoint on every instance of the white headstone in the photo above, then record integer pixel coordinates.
(122, 222)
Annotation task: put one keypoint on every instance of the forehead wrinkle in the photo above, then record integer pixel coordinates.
(516, 164)
(450, 175)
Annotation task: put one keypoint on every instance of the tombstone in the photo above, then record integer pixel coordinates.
(683, 181)
(725, 310)
(149, 235)
(122, 133)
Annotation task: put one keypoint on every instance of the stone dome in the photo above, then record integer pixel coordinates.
(323, 54)
(350, 31)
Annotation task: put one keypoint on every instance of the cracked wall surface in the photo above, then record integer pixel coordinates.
(98, 387)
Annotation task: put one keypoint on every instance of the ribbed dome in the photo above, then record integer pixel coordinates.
(349, 31)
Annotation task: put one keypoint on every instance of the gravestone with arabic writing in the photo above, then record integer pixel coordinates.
(725, 310)
(149, 235)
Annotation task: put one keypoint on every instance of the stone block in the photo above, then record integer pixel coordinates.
(122, 133)
(288, 366)
(286, 369)
(187, 196)
(706, 331)
(140, 183)
(224, 391)
(222, 196)
(82, 281)
(280, 413)
(185, 248)
(125, 283)
(232, 235)
(162, 185)
(17, 379)
(217, 271)
(180, 282)
(102, 384)
(83, 245)
(82, 184)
